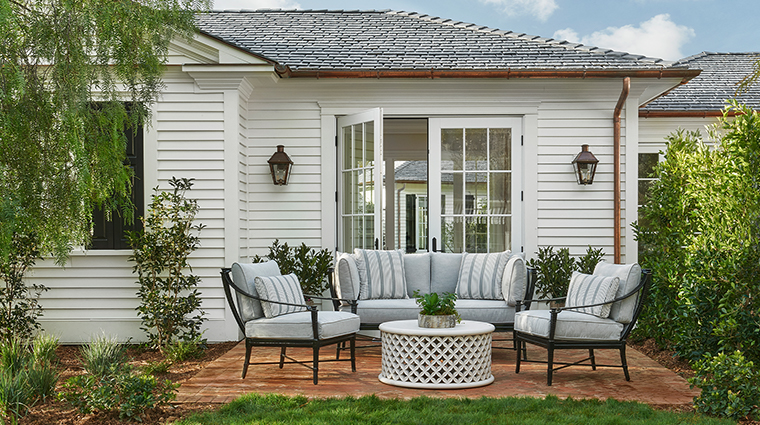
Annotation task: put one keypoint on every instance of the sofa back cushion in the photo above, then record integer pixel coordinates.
(480, 276)
(244, 275)
(284, 289)
(629, 274)
(515, 280)
(381, 274)
(586, 289)
(347, 277)
(417, 272)
(444, 271)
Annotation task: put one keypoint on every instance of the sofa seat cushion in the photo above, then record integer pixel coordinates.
(489, 311)
(298, 325)
(379, 311)
(571, 326)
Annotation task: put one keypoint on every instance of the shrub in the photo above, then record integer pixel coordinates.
(27, 376)
(169, 299)
(111, 384)
(183, 350)
(699, 232)
(311, 266)
(19, 306)
(730, 386)
(555, 268)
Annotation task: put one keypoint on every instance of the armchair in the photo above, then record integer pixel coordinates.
(574, 327)
(295, 323)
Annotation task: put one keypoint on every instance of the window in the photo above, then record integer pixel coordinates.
(112, 234)
(647, 162)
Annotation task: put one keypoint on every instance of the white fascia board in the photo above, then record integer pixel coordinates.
(229, 77)
(228, 54)
(651, 88)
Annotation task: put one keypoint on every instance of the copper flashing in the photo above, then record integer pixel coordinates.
(685, 114)
(685, 74)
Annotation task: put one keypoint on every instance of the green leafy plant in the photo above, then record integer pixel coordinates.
(169, 299)
(433, 304)
(27, 375)
(111, 384)
(555, 268)
(180, 351)
(19, 306)
(730, 386)
(699, 232)
(310, 265)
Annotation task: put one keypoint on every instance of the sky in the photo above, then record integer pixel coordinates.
(666, 29)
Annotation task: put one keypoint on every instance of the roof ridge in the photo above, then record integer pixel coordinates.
(535, 38)
(269, 9)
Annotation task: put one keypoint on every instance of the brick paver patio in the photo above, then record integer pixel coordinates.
(650, 383)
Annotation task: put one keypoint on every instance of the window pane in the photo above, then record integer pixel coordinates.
(452, 233)
(348, 243)
(644, 186)
(369, 150)
(476, 234)
(647, 162)
(500, 148)
(501, 193)
(349, 191)
(358, 160)
(347, 148)
(475, 152)
(499, 234)
(476, 188)
(451, 149)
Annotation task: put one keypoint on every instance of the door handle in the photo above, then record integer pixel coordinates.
(377, 243)
(435, 243)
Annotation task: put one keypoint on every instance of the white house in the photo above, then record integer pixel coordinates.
(694, 106)
(497, 116)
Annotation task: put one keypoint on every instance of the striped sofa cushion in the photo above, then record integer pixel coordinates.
(381, 274)
(588, 289)
(480, 276)
(284, 289)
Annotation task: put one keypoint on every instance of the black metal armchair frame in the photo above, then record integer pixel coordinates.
(551, 344)
(315, 342)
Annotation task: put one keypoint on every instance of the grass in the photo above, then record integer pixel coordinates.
(279, 409)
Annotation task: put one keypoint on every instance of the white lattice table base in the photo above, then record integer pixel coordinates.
(458, 357)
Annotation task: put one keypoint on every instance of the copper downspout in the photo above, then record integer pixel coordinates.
(616, 137)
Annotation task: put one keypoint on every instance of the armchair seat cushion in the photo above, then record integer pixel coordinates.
(298, 325)
(571, 326)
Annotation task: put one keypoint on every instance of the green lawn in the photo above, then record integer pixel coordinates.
(278, 409)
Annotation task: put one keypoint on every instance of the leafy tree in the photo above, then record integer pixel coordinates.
(73, 76)
(700, 234)
(168, 295)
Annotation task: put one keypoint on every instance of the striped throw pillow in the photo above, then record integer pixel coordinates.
(284, 289)
(381, 274)
(588, 289)
(480, 276)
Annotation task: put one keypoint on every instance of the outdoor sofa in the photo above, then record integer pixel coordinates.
(382, 284)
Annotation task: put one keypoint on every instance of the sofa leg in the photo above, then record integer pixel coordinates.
(549, 364)
(315, 362)
(518, 353)
(592, 358)
(353, 353)
(282, 356)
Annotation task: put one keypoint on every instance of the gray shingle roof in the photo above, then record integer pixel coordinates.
(311, 40)
(708, 92)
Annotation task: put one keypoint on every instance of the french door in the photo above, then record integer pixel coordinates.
(360, 160)
(474, 184)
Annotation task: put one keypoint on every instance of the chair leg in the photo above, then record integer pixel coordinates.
(549, 364)
(624, 362)
(247, 360)
(518, 344)
(315, 362)
(338, 347)
(352, 344)
(592, 358)
(282, 356)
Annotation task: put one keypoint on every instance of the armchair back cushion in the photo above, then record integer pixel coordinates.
(244, 275)
(630, 275)
(381, 274)
(587, 289)
(480, 276)
(285, 289)
(347, 277)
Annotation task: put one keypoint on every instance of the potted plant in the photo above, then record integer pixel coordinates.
(437, 311)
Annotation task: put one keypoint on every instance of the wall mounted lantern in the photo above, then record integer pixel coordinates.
(584, 165)
(280, 166)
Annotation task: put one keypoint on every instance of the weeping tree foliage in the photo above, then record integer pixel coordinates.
(74, 74)
(700, 233)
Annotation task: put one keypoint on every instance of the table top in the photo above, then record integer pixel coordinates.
(409, 327)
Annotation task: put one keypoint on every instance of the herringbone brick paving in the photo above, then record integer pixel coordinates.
(650, 383)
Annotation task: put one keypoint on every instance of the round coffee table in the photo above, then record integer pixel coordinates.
(415, 357)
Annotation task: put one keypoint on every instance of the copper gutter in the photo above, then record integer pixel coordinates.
(616, 137)
(685, 74)
(685, 114)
